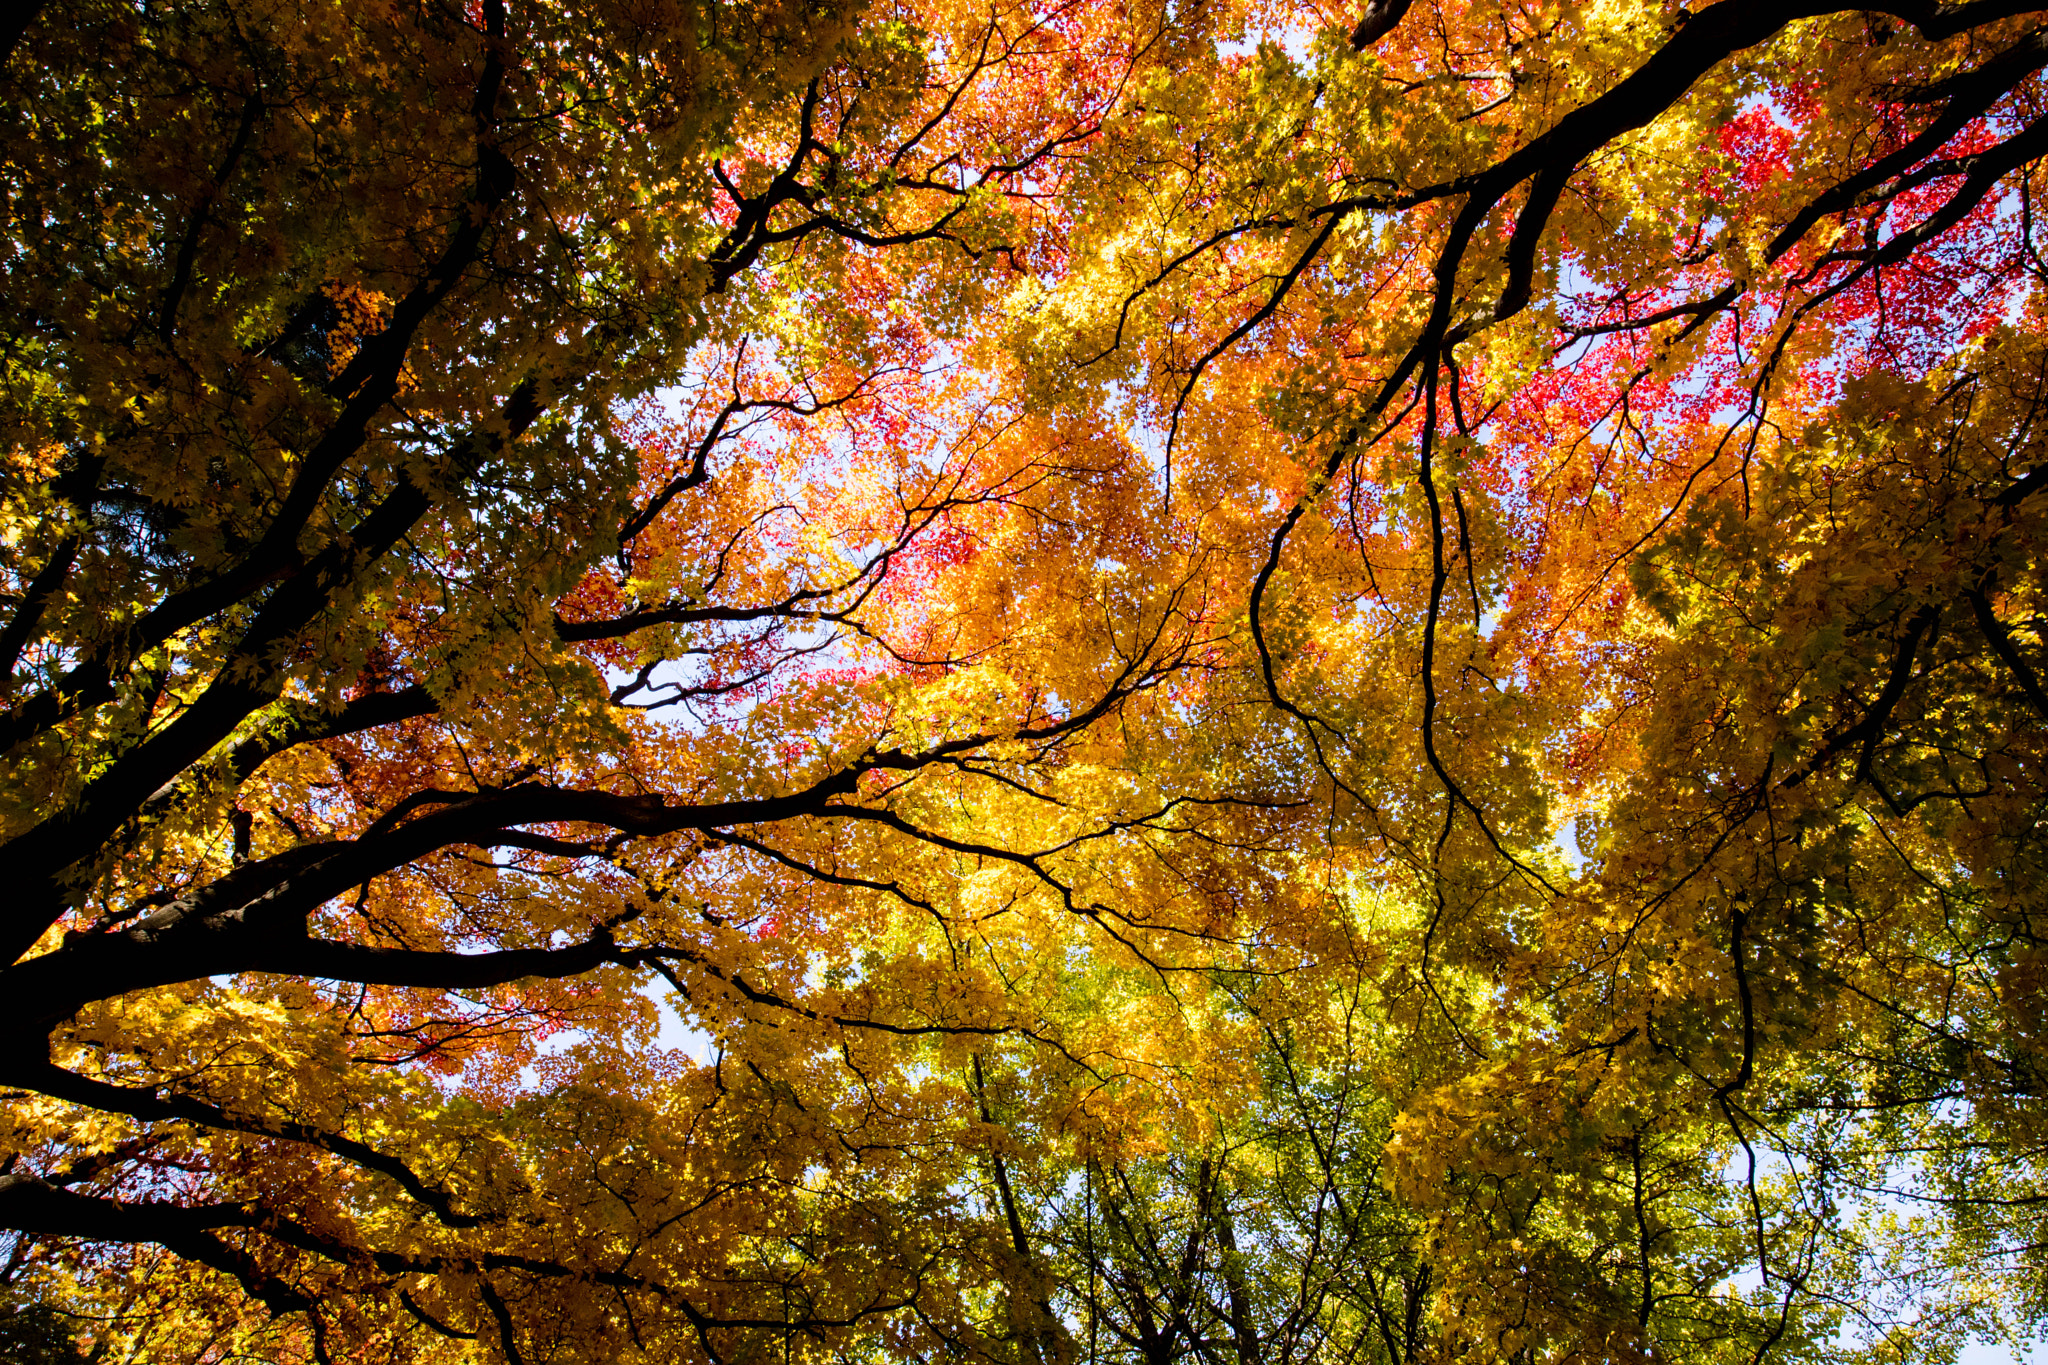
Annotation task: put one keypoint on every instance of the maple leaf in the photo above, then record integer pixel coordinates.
(1022, 681)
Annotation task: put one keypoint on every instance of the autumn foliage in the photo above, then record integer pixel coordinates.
(1050, 681)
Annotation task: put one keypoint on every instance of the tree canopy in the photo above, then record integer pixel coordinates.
(1229, 681)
